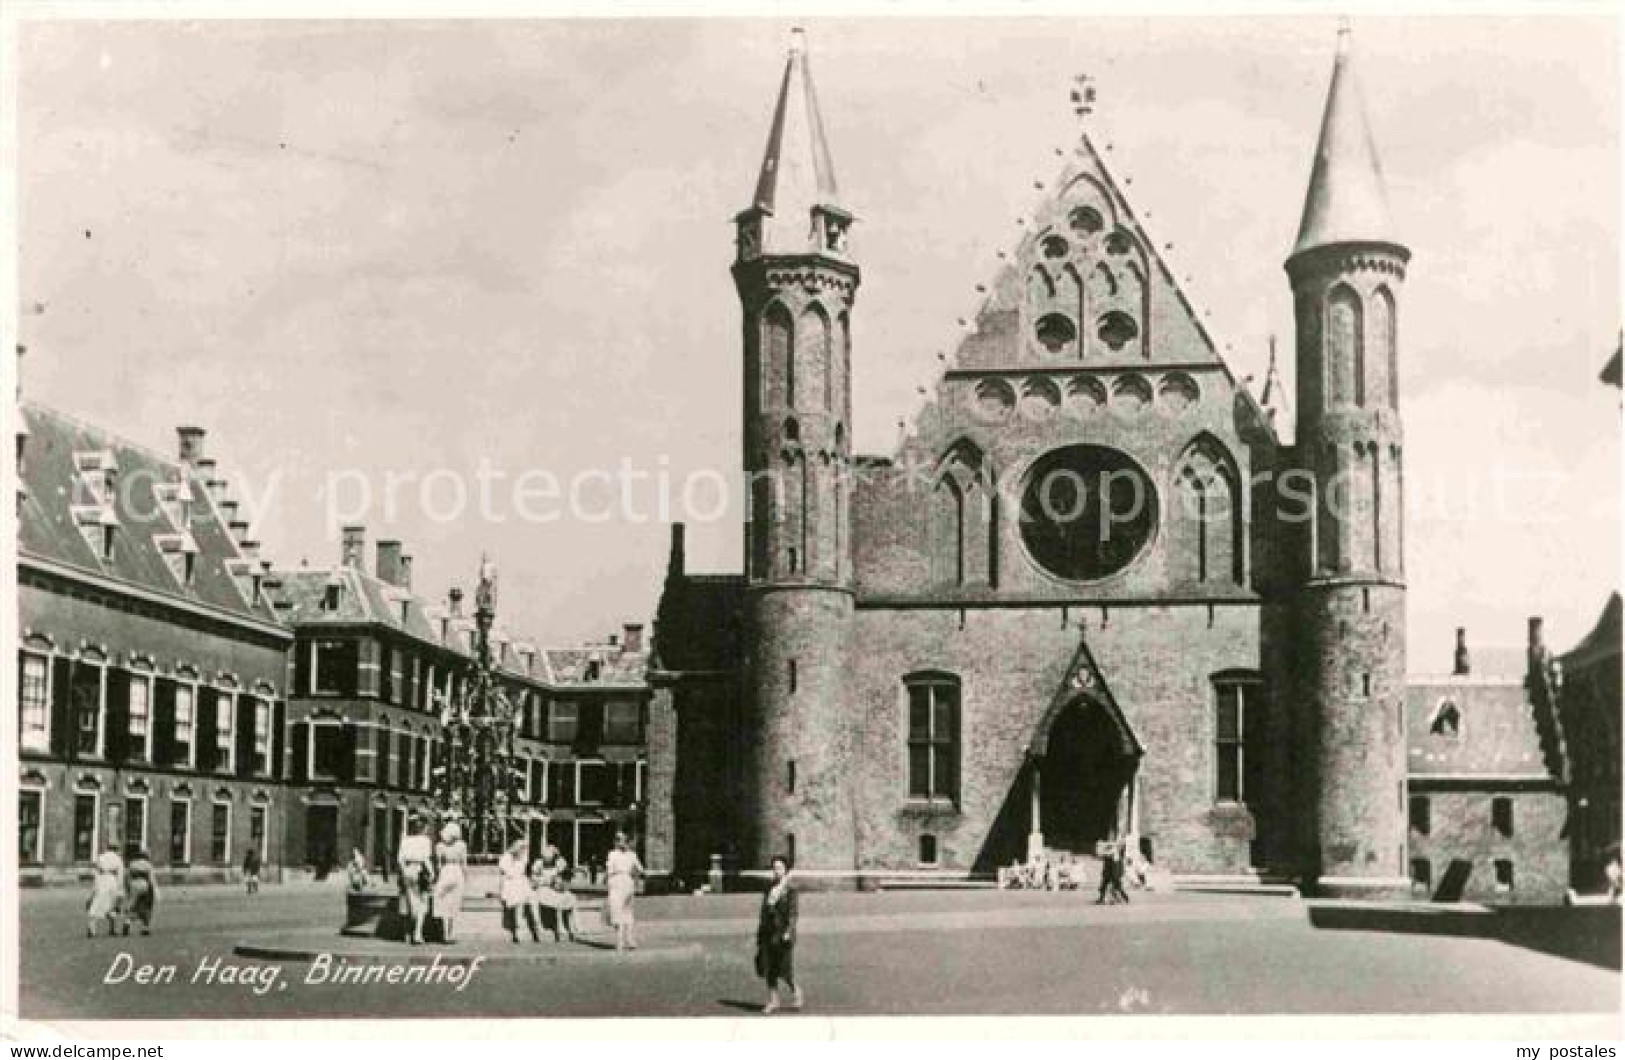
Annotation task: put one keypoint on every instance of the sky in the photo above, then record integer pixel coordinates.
(401, 248)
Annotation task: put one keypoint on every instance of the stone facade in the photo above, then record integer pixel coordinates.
(936, 670)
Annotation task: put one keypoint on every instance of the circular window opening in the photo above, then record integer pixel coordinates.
(1118, 329)
(1054, 247)
(1117, 243)
(1085, 221)
(1086, 512)
(1055, 332)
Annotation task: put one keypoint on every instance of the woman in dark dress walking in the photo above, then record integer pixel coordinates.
(776, 939)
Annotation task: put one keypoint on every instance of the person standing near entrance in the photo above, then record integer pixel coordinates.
(776, 938)
(622, 870)
(251, 869)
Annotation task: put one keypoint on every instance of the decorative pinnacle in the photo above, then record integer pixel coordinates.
(1083, 95)
(798, 41)
(1345, 35)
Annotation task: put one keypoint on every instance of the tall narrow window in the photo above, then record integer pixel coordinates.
(933, 736)
(1503, 875)
(220, 834)
(135, 821)
(225, 732)
(33, 698)
(88, 706)
(140, 716)
(1501, 816)
(778, 358)
(180, 832)
(262, 737)
(185, 723)
(1238, 732)
(30, 826)
(84, 827)
(1421, 815)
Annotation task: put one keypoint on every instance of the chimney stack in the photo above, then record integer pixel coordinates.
(387, 565)
(191, 444)
(632, 638)
(677, 560)
(352, 543)
(455, 599)
(1537, 634)
(406, 573)
(1464, 665)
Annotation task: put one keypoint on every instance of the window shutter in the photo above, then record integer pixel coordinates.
(347, 746)
(301, 752)
(62, 733)
(245, 736)
(163, 722)
(301, 667)
(279, 740)
(954, 751)
(118, 715)
(206, 729)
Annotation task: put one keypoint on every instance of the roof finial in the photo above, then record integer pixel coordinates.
(1345, 35)
(1083, 95)
(798, 41)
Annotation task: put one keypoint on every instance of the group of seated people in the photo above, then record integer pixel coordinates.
(1061, 870)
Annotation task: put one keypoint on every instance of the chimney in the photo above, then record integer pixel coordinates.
(632, 638)
(387, 566)
(1537, 644)
(406, 573)
(677, 560)
(350, 548)
(1464, 665)
(191, 444)
(455, 599)
(613, 640)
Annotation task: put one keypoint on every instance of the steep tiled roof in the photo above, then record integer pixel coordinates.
(364, 598)
(1603, 640)
(66, 503)
(1496, 734)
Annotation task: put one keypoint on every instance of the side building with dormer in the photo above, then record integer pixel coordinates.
(151, 667)
(372, 664)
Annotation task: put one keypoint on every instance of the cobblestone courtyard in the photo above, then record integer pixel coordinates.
(927, 953)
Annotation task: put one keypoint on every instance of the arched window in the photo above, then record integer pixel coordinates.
(778, 358)
(1207, 541)
(1345, 353)
(933, 736)
(963, 517)
(818, 385)
(1382, 364)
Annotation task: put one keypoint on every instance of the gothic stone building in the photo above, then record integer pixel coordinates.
(1093, 592)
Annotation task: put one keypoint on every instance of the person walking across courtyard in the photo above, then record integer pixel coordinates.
(1111, 875)
(251, 870)
(417, 878)
(622, 870)
(450, 856)
(106, 892)
(140, 892)
(776, 938)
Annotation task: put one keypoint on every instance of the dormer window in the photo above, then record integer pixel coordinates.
(331, 596)
(1446, 721)
(593, 669)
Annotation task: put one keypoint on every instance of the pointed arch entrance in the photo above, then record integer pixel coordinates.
(1084, 760)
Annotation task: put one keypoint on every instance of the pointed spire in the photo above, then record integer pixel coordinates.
(798, 173)
(1347, 201)
(1273, 397)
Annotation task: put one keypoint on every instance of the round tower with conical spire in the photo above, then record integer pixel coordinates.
(1347, 269)
(796, 281)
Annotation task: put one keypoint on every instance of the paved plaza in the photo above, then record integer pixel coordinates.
(926, 953)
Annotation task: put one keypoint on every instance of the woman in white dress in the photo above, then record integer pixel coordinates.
(106, 891)
(451, 855)
(513, 869)
(417, 878)
(622, 870)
